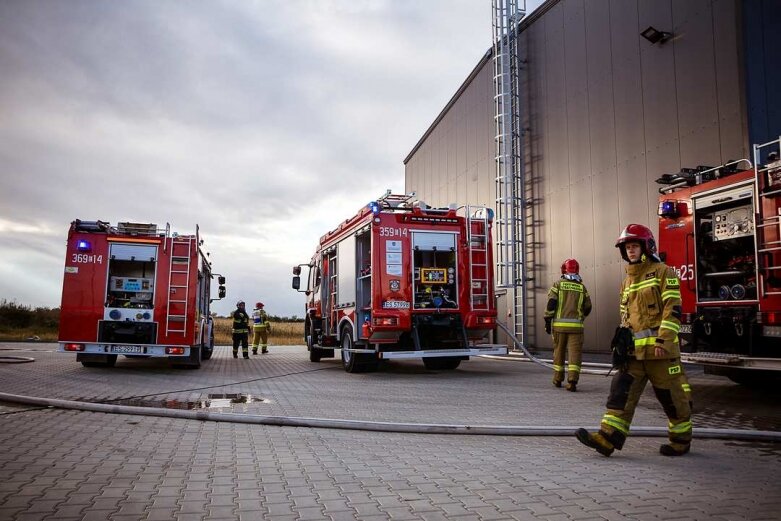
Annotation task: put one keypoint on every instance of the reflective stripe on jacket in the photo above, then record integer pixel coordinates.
(568, 305)
(259, 319)
(651, 307)
(240, 321)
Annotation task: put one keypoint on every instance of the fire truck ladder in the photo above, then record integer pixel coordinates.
(511, 190)
(768, 243)
(178, 279)
(477, 239)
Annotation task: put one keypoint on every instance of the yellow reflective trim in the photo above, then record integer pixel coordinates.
(558, 368)
(686, 388)
(648, 341)
(555, 290)
(616, 422)
(676, 369)
(571, 286)
(573, 368)
(673, 293)
(568, 325)
(672, 326)
(645, 284)
(681, 428)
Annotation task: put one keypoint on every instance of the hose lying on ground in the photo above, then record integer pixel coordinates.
(543, 363)
(413, 428)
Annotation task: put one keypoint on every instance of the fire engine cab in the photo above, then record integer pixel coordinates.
(720, 228)
(402, 280)
(135, 290)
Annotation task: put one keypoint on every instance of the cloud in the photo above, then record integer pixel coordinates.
(267, 123)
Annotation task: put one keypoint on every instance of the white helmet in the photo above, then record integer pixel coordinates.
(239, 303)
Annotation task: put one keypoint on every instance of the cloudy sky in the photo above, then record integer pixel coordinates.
(266, 122)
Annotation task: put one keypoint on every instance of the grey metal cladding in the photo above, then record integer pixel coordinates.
(608, 113)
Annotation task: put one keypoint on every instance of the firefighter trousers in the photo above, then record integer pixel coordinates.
(259, 337)
(243, 339)
(671, 388)
(571, 346)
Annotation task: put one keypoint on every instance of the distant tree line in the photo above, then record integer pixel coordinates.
(19, 316)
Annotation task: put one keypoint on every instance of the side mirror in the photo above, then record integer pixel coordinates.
(296, 270)
(296, 282)
(221, 292)
(220, 280)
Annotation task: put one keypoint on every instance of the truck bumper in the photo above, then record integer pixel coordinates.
(483, 349)
(151, 350)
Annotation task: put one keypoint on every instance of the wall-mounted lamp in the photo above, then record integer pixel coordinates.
(654, 35)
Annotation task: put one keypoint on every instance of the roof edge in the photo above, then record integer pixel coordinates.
(528, 20)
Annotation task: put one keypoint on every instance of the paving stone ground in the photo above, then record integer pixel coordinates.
(74, 465)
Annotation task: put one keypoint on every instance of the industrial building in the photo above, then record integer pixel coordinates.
(612, 94)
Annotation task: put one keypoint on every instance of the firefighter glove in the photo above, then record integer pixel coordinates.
(623, 341)
(548, 324)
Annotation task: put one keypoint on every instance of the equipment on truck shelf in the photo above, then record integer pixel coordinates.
(720, 228)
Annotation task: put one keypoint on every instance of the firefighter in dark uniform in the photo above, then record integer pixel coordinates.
(651, 308)
(568, 305)
(240, 330)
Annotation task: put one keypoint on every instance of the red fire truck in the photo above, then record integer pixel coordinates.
(402, 280)
(135, 290)
(720, 228)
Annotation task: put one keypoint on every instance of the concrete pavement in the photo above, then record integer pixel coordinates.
(60, 464)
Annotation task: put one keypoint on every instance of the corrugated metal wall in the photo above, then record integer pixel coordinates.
(607, 113)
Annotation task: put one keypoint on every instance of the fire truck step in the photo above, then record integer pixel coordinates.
(713, 358)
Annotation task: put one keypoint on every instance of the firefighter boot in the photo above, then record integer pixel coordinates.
(235, 353)
(254, 350)
(596, 441)
(674, 449)
(264, 350)
(572, 386)
(556, 383)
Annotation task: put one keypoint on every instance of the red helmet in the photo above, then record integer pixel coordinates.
(259, 305)
(570, 266)
(640, 234)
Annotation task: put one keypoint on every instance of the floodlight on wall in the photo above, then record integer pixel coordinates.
(654, 35)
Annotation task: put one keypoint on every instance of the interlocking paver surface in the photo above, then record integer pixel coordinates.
(66, 464)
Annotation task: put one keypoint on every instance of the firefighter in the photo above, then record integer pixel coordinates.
(260, 329)
(240, 330)
(650, 306)
(568, 305)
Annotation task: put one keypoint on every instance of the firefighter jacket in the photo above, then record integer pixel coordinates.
(259, 319)
(568, 305)
(240, 321)
(651, 307)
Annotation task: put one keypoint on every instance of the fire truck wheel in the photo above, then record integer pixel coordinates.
(445, 362)
(193, 361)
(98, 360)
(354, 362)
(208, 349)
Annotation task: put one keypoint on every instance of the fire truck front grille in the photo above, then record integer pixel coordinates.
(127, 332)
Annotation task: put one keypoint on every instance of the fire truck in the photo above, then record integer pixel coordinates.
(402, 280)
(138, 291)
(720, 228)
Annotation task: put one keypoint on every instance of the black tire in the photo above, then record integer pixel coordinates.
(355, 362)
(442, 363)
(208, 349)
(191, 362)
(88, 360)
(315, 354)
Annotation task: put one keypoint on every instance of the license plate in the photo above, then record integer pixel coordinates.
(138, 350)
(686, 328)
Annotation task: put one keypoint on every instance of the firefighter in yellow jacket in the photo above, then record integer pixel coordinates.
(568, 305)
(260, 329)
(651, 308)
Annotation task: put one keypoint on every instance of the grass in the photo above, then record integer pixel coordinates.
(282, 333)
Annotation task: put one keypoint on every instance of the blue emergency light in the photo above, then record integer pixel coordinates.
(374, 206)
(669, 209)
(83, 245)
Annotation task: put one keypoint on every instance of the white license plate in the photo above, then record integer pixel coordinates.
(686, 328)
(138, 350)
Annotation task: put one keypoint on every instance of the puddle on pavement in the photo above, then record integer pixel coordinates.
(212, 401)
